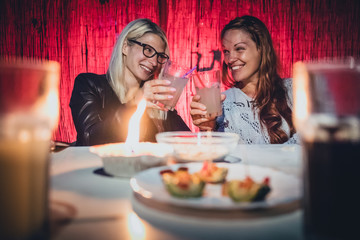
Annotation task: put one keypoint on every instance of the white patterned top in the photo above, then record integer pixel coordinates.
(238, 117)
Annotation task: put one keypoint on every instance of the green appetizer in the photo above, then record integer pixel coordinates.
(182, 184)
(246, 190)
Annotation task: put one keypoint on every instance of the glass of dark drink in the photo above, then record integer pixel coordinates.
(327, 117)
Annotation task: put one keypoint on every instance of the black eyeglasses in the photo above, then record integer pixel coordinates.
(150, 52)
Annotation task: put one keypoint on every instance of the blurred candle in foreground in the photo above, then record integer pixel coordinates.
(29, 108)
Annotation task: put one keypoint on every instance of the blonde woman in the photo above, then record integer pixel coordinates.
(102, 105)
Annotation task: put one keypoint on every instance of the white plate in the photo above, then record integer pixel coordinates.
(284, 188)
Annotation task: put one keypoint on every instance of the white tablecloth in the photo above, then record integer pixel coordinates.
(88, 205)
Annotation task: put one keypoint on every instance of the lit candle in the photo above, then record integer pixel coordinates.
(29, 111)
(126, 159)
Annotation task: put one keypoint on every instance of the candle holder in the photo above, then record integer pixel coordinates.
(124, 160)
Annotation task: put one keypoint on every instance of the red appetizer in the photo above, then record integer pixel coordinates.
(211, 173)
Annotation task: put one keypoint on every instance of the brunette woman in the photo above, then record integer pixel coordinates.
(258, 104)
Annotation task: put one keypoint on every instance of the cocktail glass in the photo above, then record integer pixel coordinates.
(207, 86)
(176, 75)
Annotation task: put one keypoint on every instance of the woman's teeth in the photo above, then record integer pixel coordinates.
(237, 67)
(146, 69)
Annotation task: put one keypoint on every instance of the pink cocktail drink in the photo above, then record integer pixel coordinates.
(178, 83)
(207, 86)
(175, 74)
(210, 97)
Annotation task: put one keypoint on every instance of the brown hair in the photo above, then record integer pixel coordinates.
(270, 97)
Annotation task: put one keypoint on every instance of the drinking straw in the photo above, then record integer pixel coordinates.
(190, 71)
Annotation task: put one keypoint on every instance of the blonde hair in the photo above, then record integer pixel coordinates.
(116, 71)
(133, 31)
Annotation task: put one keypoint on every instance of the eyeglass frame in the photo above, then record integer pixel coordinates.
(144, 45)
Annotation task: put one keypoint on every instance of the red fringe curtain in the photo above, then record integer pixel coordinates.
(80, 34)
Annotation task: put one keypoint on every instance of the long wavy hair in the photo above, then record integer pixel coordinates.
(116, 70)
(270, 99)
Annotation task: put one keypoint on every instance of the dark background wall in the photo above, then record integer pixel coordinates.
(80, 34)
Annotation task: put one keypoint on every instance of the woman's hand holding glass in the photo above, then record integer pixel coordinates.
(198, 114)
(157, 90)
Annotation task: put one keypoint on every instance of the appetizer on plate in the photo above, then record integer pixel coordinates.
(211, 173)
(246, 190)
(182, 184)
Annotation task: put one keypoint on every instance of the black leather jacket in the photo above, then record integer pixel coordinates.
(100, 117)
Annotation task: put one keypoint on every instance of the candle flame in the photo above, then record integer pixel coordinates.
(134, 124)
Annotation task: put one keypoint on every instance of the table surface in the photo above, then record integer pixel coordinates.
(87, 204)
